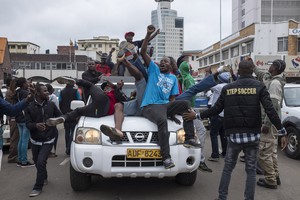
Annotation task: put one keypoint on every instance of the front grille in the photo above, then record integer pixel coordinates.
(140, 137)
(122, 161)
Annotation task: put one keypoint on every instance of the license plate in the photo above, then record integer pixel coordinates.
(143, 153)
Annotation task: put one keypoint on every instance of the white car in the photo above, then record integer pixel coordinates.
(5, 126)
(291, 119)
(137, 155)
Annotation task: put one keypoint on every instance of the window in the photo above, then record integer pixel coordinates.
(282, 44)
(225, 55)
(234, 51)
(247, 47)
(178, 23)
(217, 57)
(211, 59)
(12, 46)
(205, 61)
(243, 24)
(243, 12)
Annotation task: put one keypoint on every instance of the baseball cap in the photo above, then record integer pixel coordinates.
(129, 33)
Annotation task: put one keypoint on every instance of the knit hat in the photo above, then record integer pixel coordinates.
(224, 77)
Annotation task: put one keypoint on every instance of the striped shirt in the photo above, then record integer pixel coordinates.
(242, 138)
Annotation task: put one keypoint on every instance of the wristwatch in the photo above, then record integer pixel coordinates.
(198, 116)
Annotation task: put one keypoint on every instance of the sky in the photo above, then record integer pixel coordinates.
(51, 23)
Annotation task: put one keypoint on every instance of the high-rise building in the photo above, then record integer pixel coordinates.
(247, 12)
(170, 40)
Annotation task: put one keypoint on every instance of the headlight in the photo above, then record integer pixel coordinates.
(86, 135)
(180, 136)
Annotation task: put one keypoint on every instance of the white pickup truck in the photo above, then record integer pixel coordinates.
(137, 155)
(290, 115)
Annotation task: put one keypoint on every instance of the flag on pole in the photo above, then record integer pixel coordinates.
(159, 17)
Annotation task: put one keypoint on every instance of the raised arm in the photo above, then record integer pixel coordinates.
(146, 57)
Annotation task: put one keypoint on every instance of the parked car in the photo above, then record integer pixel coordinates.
(136, 155)
(291, 119)
(5, 126)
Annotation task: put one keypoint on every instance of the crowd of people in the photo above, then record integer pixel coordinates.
(163, 91)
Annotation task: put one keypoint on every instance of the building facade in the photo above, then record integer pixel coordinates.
(96, 46)
(43, 67)
(247, 12)
(170, 41)
(5, 61)
(23, 47)
(264, 42)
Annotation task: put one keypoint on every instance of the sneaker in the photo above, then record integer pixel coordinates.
(28, 164)
(213, 159)
(120, 56)
(19, 164)
(262, 182)
(191, 143)
(168, 163)
(242, 158)
(112, 133)
(35, 193)
(65, 80)
(55, 121)
(203, 167)
(122, 45)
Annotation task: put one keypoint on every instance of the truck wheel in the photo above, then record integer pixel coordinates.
(79, 181)
(186, 178)
(293, 147)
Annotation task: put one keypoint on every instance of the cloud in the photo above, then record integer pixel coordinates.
(55, 22)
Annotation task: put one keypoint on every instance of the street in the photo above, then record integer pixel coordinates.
(16, 182)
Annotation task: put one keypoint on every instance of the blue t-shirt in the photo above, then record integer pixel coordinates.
(160, 86)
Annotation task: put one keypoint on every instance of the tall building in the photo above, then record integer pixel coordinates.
(247, 12)
(170, 40)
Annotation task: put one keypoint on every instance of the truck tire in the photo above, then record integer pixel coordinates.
(79, 181)
(293, 147)
(186, 179)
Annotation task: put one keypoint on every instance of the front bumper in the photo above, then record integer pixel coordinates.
(102, 161)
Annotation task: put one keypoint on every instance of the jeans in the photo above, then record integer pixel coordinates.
(23, 142)
(40, 155)
(216, 128)
(158, 114)
(97, 108)
(201, 133)
(233, 149)
(1, 138)
(69, 132)
(138, 64)
(203, 85)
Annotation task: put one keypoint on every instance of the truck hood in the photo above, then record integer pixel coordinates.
(131, 123)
